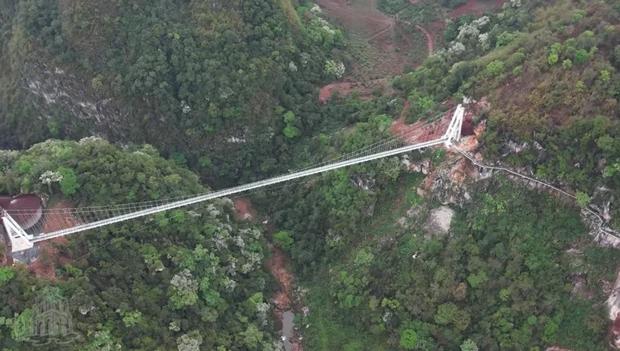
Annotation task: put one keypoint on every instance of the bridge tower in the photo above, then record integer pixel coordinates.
(20, 240)
(453, 133)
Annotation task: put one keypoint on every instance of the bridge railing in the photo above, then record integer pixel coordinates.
(89, 218)
(236, 190)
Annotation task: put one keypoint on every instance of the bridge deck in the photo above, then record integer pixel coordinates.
(126, 212)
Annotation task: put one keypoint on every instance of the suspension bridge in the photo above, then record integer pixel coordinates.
(23, 233)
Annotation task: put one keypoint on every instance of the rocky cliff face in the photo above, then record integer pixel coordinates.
(53, 87)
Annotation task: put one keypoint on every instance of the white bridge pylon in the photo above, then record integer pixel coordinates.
(20, 240)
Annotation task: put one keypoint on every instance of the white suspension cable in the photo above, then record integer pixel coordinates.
(64, 221)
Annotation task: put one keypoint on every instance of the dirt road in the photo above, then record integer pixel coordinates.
(430, 42)
(381, 44)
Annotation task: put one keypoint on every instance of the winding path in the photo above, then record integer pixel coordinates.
(430, 42)
(381, 32)
(600, 227)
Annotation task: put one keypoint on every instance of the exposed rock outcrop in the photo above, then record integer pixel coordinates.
(55, 87)
(447, 184)
(439, 221)
(424, 166)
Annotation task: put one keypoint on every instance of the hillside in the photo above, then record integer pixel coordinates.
(509, 275)
(184, 277)
(549, 73)
(424, 251)
(206, 82)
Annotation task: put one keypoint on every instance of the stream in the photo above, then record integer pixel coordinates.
(284, 311)
(279, 266)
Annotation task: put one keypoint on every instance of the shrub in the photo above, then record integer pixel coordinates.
(578, 16)
(69, 183)
(495, 68)
(553, 58)
(581, 56)
(504, 39)
(580, 86)
(516, 59)
(6, 274)
(408, 339)
(583, 199)
(283, 239)
(586, 40)
(290, 130)
(333, 68)
(605, 76)
(469, 345)
(421, 105)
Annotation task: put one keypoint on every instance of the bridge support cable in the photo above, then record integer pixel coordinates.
(602, 227)
(64, 221)
(235, 190)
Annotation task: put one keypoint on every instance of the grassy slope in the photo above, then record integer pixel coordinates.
(518, 97)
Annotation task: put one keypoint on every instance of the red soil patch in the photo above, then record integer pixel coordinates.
(470, 143)
(364, 90)
(468, 126)
(387, 38)
(364, 20)
(476, 7)
(243, 209)
(342, 88)
(420, 131)
(48, 258)
(471, 133)
(278, 265)
(381, 32)
(615, 332)
(389, 42)
(392, 47)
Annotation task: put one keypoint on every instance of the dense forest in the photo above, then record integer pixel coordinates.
(182, 278)
(215, 84)
(187, 95)
(549, 71)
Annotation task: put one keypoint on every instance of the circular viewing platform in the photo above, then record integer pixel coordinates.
(26, 209)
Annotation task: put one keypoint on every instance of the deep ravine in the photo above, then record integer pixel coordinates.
(279, 266)
(285, 308)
